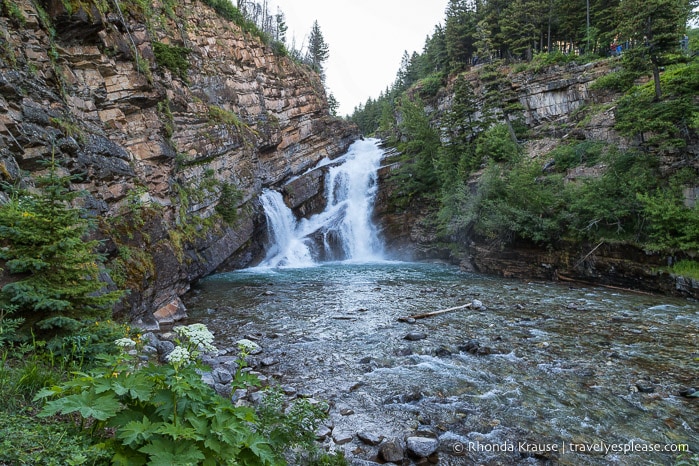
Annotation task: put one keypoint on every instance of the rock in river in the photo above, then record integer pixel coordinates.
(422, 447)
(415, 336)
(392, 451)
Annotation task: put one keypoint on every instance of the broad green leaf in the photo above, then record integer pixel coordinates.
(47, 392)
(136, 432)
(177, 432)
(128, 457)
(166, 452)
(88, 404)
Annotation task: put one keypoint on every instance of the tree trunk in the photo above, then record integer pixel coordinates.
(656, 78)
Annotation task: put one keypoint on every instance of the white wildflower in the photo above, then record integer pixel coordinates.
(247, 346)
(198, 335)
(125, 343)
(179, 356)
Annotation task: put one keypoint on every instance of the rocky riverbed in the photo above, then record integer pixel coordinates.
(540, 373)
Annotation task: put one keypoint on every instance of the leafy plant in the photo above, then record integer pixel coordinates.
(673, 225)
(221, 115)
(607, 207)
(580, 153)
(166, 414)
(8, 325)
(665, 123)
(85, 343)
(27, 440)
(686, 268)
(496, 144)
(172, 57)
(519, 203)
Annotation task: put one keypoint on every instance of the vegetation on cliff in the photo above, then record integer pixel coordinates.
(464, 143)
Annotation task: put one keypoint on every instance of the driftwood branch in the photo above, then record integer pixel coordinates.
(588, 254)
(435, 313)
(583, 282)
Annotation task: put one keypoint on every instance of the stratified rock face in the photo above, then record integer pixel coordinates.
(172, 159)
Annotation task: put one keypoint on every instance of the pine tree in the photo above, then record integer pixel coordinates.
(459, 129)
(521, 26)
(318, 50)
(333, 104)
(281, 27)
(460, 33)
(43, 243)
(656, 26)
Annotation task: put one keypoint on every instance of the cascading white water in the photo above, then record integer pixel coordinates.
(344, 230)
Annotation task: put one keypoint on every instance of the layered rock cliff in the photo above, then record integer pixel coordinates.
(174, 118)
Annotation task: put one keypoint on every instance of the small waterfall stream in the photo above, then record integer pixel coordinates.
(344, 230)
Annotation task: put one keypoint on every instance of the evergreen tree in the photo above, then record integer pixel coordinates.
(333, 104)
(604, 18)
(435, 52)
(499, 98)
(459, 34)
(56, 270)
(521, 25)
(571, 23)
(318, 50)
(281, 27)
(420, 146)
(459, 129)
(656, 26)
(403, 78)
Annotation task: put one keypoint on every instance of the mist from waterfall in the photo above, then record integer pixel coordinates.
(344, 230)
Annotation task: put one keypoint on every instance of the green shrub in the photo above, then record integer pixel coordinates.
(221, 115)
(429, 86)
(673, 226)
(84, 344)
(607, 207)
(497, 144)
(666, 122)
(573, 155)
(519, 202)
(227, 206)
(8, 325)
(27, 440)
(620, 81)
(686, 268)
(172, 57)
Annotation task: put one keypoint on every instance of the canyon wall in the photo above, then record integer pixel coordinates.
(173, 118)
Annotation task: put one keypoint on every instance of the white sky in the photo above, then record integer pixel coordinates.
(366, 39)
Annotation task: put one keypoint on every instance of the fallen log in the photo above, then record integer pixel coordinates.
(435, 313)
(563, 278)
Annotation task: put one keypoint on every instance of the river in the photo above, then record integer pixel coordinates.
(545, 373)
(559, 366)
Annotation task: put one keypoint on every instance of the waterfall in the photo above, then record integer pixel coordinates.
(344, 230)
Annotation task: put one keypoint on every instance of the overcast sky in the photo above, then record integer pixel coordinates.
(366, 39)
